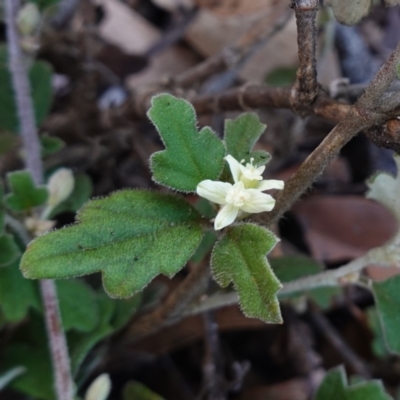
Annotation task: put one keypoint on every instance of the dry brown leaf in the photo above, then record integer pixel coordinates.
(210, 33)
(228, 8)
(338, 228)
(125, 28)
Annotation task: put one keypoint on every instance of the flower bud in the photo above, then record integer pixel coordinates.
(99, 389)
(28, 19)
(60, 186)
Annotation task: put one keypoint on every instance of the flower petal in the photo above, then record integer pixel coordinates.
(214, 191)
(270, 184)
(258, 202)
(226, 216)
(234, 166)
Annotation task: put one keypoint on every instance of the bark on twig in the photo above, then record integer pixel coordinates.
(305, 89)
(364, 114)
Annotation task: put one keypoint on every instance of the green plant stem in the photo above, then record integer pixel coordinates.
(378, 256)
(58, 345)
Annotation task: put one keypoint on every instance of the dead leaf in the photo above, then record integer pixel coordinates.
(338, 228)
(228, 8)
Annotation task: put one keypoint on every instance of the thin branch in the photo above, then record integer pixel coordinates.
(22, 93)
(24, 104)
(378, 256)
(337, 342)
(364, 114)
(172, 308)
(305, 89)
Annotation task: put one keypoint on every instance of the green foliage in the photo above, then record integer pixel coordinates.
(240, 136)
(137, 391)
(78, 305)
(51, 145)
(131, 237)
(17, 295)
(31, 351)
(25, 194)
(190, 156)
(240, 257)
(335, 387)
(41, 89)
(379, 345)
(83, 189)
(205, 246)
(37, 381)
(281, 76)
(387, 296)
(290, 268)
(9, 250)
(43, 4)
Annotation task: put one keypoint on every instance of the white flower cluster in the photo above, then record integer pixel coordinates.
(244, 196)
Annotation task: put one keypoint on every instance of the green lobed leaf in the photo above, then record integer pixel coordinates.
(290, 268)
(41, 88)
(137, 391)
(240, 257)
(335, 387)
(25, 194)
(78, 305)
(83, 189)
(51, 145)
(240, 136)
(9, 251)
(17, 294)
(387, 297)
(190, 156)
(131, 237)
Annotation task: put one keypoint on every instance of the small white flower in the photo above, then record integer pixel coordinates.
(245, 195)
(251, 176)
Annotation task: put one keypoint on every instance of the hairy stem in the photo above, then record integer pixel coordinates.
(22, 93)
(31, 144)
(364, 114)
(305, 89)
(332, 277)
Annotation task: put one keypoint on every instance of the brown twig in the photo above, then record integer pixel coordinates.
(364, 114)
(172, 308)
(323, 325)
(31, 144)
(305, 89)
